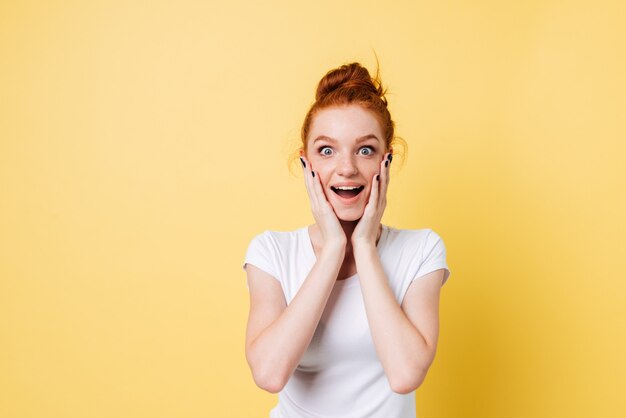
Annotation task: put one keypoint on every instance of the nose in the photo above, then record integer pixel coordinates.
(346, 166)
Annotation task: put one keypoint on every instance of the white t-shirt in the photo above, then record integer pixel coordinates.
(340, 374)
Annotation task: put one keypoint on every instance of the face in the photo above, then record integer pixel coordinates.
(345, 147)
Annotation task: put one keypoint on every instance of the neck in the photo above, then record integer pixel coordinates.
(348, 229)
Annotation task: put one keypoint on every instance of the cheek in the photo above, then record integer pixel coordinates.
(371, 170)
(321, 170)
(324, 178)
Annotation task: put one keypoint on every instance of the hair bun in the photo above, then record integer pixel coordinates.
(349, 76)
(352, 85)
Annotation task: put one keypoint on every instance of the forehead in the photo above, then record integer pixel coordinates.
(346, 123)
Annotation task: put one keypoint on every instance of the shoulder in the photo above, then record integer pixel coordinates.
(276, 241)
(277, 237)
(414, 246)
(270, 250)
(417, 238)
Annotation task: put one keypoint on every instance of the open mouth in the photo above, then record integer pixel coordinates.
(347, 192)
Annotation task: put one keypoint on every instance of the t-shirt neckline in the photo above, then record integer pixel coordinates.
(313, 257)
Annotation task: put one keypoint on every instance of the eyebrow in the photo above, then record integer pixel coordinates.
(359, 139)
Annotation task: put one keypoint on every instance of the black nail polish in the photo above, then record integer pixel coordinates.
(387, 163)
(377, 177)
(390, 157)
(303, 163)
(313, 172)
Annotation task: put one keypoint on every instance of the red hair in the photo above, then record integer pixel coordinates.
(351, 84)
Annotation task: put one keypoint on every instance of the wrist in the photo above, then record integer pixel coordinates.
(334, 247)
(363, 247)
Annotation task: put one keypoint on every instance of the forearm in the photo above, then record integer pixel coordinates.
(401, 348)
(279, 348)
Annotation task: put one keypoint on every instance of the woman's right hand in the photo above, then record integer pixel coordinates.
(324, 214)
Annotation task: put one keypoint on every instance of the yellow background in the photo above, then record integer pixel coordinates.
(144, 143)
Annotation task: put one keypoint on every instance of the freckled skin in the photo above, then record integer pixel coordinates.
(344, 158)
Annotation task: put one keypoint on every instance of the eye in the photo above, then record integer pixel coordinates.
(326, 150)
(366, 151)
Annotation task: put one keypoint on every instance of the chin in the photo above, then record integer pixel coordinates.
(349, 215)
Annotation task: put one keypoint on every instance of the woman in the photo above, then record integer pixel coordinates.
(344, 313)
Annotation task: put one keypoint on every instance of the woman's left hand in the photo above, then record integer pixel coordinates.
(366, 231)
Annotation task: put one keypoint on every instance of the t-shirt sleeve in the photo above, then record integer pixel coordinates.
(260, 254)
(434, 257)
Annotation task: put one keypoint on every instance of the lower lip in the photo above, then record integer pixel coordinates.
(347, 200)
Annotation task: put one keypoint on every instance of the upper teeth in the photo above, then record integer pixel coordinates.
(347, 187)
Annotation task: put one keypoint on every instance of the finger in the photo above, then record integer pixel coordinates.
(306, 176)
(308, 181)
(390, 157)
(372, 203)
(383, 194)
(384, 181)
(319, 190)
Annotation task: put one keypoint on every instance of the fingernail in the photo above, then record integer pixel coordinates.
(303, 163)
(387, 163)
(377, 177)
(389, 157)
(313, 172)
